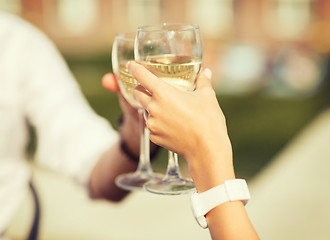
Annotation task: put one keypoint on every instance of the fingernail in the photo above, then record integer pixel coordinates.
(208, 73)
(129, 66)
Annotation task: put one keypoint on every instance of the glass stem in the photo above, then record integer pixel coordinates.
(173, 170)
(144, 166)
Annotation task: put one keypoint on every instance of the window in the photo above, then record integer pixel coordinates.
(77, 16)
(12, 6)
(288, 19)
(215, 17)
(143, 12)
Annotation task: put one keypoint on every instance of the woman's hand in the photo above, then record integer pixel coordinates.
(189, 123)
(193, 125)
(179, 120)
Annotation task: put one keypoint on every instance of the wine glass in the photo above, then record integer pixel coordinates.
(172, 52)
(122, 52)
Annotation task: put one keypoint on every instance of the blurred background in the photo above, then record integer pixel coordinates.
(270, 59)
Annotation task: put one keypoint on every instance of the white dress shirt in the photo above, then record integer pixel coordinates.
(37, 87)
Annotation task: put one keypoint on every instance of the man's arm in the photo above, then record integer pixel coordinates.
(114, 162)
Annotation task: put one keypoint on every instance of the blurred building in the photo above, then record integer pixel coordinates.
(245, 41)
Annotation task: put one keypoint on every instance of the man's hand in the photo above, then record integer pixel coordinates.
(129, 130)
(110, 83)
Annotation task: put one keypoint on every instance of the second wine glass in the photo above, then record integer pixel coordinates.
(172, 52)
(122, 52)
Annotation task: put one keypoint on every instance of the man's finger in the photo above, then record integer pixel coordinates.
(110, 83)
(146, 78)
(204, 79)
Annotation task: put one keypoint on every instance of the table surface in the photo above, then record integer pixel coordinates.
(290, 200)
(290, 197)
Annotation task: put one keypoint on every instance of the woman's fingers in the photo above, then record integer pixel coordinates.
(110, 83)
(142, 96)
(146, 78)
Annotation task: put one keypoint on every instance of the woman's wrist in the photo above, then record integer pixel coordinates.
(207, 177)
(211, 165)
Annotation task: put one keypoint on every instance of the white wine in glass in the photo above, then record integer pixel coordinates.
(122, 52)
(179, 71)
(174, 53)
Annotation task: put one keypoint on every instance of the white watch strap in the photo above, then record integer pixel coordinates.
(231, 190)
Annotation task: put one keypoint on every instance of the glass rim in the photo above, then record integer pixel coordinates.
(126, 35)
(164, 27)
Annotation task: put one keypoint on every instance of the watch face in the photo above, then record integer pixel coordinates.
(237, 190)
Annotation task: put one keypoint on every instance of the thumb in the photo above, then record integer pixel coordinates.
(204, 79)
(110, 83)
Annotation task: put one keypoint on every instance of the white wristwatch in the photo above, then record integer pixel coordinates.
(231, 190)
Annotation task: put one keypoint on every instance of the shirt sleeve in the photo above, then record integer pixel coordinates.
(71, 137)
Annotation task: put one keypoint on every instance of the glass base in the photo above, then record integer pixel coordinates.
(172, 186)
(135, 181)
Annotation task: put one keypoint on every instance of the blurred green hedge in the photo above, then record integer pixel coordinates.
(259, 126)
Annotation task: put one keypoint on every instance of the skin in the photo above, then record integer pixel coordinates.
(113, 162)
(193, 125)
